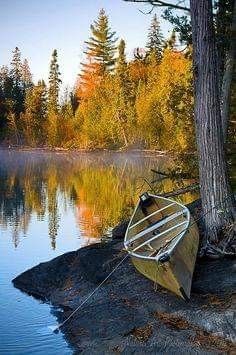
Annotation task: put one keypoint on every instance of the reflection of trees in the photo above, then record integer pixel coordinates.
(52, 203)
(103, 187)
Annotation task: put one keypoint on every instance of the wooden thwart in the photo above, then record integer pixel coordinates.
(155, 226)
(158, 235)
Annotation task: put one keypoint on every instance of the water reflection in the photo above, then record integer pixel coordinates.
(101, 188)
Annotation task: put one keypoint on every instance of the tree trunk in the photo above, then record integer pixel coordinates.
(227, 77)
(217, 200)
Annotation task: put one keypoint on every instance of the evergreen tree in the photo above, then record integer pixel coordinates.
(54, 84)
(155, 39)
(16, 67)
(34, 117)
(122, 70)
(26, 75)
(101, 46)
(6, 85)
(125, 105)
(17, 89)
(53, 100)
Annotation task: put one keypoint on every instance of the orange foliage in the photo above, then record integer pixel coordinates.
(87, 219)
(138, 71)
(88, 80)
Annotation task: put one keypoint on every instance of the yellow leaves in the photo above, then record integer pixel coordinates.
(152, 109)
(164, 103)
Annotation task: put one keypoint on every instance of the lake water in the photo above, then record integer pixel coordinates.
(51, 203)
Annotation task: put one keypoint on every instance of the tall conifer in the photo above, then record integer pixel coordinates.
(17, 88)
(101, 46)
(155, 39)
(123, 72)
(54, 84)
(26, 74)
(16, 66)
(53, 100)
(125, 103)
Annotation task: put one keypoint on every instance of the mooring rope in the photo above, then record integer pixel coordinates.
(56, 328)
(91, 294)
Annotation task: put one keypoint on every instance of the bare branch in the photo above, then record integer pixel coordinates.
(160, 3)
(148, 12)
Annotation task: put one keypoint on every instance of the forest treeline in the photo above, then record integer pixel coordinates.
(144, 102)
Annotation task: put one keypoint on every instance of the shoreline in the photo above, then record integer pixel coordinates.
(128, 314)
(153, 152)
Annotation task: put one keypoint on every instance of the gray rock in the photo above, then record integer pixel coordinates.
(126, 315)
(119, 231)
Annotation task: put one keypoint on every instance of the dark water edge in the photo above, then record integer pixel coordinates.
(127, 315)
(48, 207)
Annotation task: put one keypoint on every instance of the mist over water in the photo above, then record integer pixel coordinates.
(52, 203)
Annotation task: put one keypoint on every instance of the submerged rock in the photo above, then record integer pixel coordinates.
(128, 314)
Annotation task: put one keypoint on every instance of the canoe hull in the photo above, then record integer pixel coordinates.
(176, 273)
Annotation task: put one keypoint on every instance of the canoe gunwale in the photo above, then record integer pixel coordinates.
(177, 237)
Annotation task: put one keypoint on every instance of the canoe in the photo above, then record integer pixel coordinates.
(162, 240)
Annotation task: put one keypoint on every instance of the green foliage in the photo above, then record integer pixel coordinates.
(102, 44)
(17, 79)
(155, 39)
(54, 84)
(181, 25)
(33, 119)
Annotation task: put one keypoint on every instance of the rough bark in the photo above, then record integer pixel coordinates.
(228, 76)
(217, 199)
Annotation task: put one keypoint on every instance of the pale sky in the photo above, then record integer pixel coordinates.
(37, 27)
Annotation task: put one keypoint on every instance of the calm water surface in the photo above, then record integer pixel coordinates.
(50, 204)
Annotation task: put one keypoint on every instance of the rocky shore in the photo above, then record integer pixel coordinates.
(128, 314)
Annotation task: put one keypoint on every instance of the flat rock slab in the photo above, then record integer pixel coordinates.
(129, 314)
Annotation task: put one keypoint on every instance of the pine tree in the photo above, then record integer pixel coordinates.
(125, 105)
(6, 85)
(155, 39)
(101, 46)
(54, 84)
(123, 74)
(122, 68)
(26, 75)
(16, 66)
(17, 89)
(53, 100)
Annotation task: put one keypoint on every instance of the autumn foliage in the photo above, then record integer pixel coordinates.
(144, 102)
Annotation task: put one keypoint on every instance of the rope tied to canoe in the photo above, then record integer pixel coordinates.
(56, 328)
